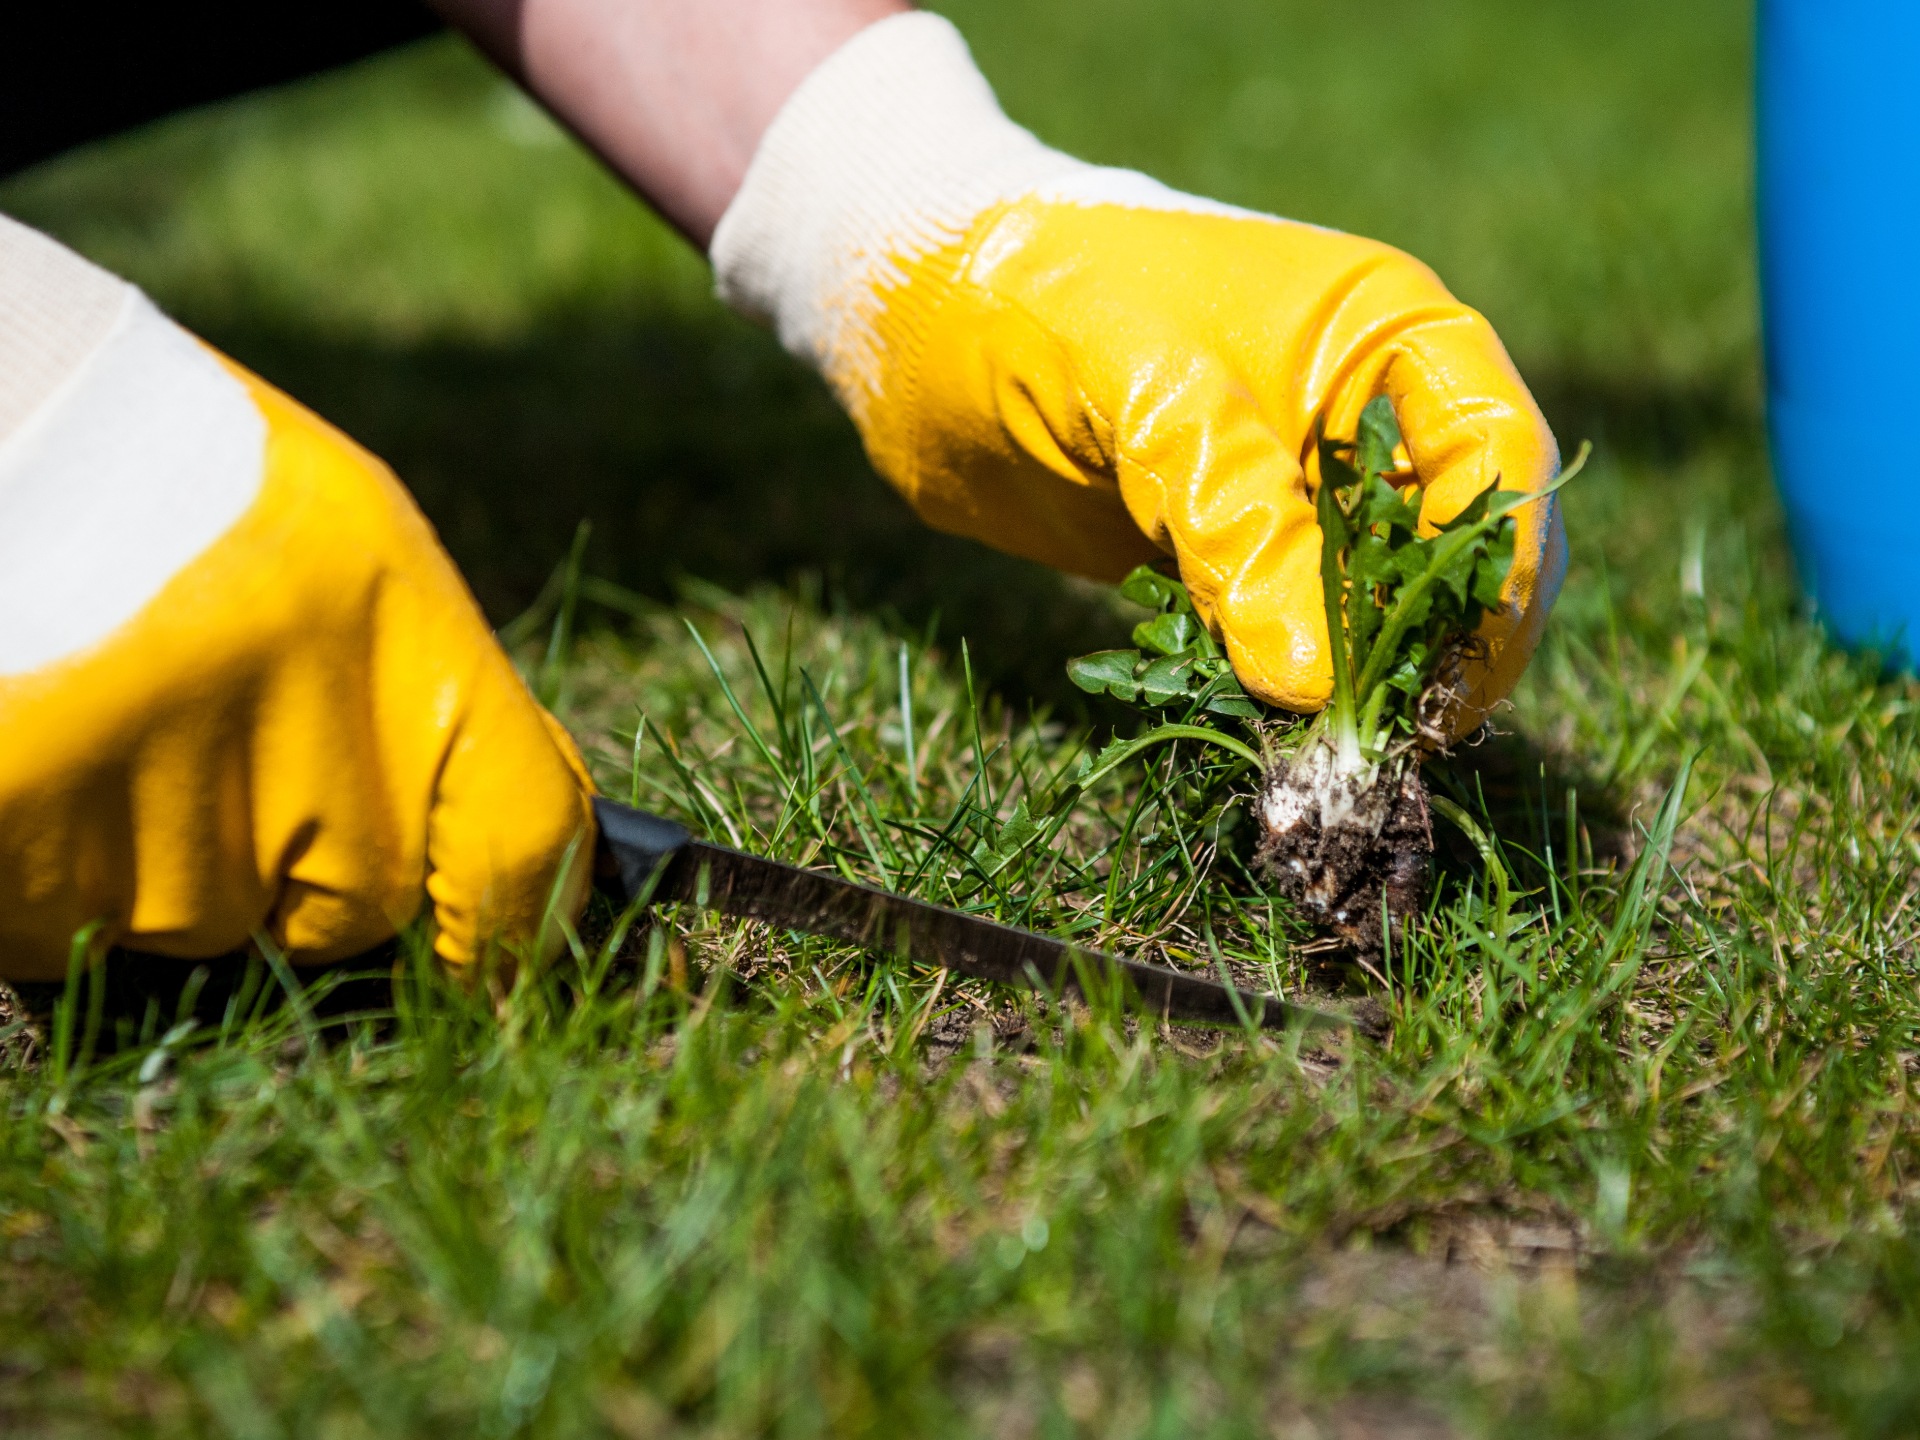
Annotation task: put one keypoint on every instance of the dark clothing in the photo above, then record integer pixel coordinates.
(78, 71)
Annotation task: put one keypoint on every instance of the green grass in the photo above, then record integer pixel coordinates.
(1631, 1152)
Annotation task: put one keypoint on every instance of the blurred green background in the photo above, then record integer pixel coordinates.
(415, 251)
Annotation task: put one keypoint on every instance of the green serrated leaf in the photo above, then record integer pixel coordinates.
(1476, 510)
(1378, 434)
(1374, 560)
(1456, 576)
(1410, 676)
(1167, 679)
(1388, 508)
(1236, 706)
(1106, 672)
(1396, 601)
(1419, 610)
(1147, 586)
(1490, 570)
(1015, 835)
(1167, 634)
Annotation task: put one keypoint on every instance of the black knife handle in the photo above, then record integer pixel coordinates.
(633, 846)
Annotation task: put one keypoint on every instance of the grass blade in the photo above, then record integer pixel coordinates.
(867, 816)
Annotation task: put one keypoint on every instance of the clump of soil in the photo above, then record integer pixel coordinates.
(1351, 847)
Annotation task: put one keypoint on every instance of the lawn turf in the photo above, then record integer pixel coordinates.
(1628, 1155)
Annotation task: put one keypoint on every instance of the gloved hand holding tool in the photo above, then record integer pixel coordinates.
(242, 688)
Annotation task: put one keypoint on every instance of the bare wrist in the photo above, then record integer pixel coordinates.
(674, 96)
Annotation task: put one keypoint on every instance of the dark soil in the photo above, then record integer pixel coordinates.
(1351, 852)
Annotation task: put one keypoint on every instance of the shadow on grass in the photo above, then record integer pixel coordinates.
(146, 994)
(1650, 419)
(1539, 803)
(697, 450)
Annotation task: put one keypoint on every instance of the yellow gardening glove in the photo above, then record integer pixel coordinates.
(1086, 368)
(241, 685)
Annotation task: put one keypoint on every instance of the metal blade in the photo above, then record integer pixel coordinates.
(756, 888)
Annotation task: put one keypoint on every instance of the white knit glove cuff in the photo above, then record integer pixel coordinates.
(887, 151)
(56, 310)
(125, 450)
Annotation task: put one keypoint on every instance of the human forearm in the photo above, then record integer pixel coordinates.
(674, 95)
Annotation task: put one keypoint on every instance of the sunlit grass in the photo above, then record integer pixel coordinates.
(1626, 1139)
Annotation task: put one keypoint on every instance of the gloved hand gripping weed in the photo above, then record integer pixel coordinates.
(1345, 831)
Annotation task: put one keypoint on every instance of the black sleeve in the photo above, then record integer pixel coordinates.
(78, 70)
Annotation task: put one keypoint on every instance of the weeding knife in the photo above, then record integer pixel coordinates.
(638, 849)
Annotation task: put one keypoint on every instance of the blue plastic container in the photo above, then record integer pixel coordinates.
(1838, 112)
